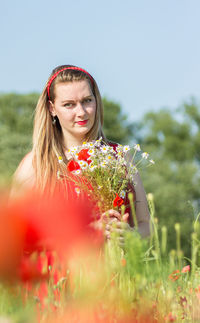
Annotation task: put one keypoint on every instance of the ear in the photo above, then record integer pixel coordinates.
(51, 108)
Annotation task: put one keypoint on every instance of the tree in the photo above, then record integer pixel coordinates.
(116, 126)
(172, 139)
(16, 118)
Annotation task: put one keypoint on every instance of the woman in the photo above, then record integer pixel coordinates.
(70, 111)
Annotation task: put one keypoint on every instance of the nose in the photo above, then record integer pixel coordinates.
(80, 109)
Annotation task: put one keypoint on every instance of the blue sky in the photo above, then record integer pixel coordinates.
(144, 54)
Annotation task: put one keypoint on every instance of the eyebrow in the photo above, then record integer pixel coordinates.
(85, 97)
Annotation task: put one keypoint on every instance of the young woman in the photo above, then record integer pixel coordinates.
(70, 111)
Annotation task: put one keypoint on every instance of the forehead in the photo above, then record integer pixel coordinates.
(72, 90)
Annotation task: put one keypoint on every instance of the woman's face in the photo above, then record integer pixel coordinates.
(75, 107)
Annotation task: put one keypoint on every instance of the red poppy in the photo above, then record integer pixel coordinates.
(174, 275)
(185, 269)
(35, 223)
(73, 165)
(118, 201)
(83, 155)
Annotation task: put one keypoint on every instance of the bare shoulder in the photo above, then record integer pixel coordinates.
(24, 176)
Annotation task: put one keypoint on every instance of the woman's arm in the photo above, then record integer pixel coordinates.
(24, 176)
(142, 210)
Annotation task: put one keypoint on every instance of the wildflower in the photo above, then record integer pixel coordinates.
(104, 149)
(60, 159)
(183, 301)
(170, 317)
(109, 157)
(122, 194)
(145, 155)
(123, 262)
(119, 154)
(83, 155)
(74, 149)
(185, 269)
(118, 201)
(77, 190)
(73, 165)
(126, 148)
(90, 144)
(137, 147)
(152, 161)
(174, 275)
(91, 152)
(111, 150)
(103, 164)
(97, 143)
(119, 148)
(83, 164)
(92, 167)
(77, 172)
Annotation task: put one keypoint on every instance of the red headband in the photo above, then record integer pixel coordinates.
(66, 68)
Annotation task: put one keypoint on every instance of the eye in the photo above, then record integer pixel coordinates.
(68, 105)
(88, 100)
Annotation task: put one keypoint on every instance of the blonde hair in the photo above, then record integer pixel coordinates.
(48, 138)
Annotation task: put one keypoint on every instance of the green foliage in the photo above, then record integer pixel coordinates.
(16, 118)
(116, 126)
(172, 139)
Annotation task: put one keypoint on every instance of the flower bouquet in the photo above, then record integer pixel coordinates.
(105, 171)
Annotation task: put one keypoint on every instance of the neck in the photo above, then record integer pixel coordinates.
(72, 142)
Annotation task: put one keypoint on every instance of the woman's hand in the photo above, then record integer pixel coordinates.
(113, 222)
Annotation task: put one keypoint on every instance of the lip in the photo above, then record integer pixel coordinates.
(82, 122)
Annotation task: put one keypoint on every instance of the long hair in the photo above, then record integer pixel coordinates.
(48, 137)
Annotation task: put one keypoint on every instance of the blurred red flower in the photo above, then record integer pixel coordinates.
(73, 165)
(185, 269)
(36, 223)
(174, 275)
(83, 155)
(118, 201)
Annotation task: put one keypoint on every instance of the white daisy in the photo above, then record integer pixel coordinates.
(92, 167)
(83, 164)
(103, 164)
(126, 148)
(77, 172)
(111, 150)
(152, 161)
(137, 147)
(119, 154)
(119, 148)
(97, 143)
(77, 190)
(60, 159)
(122, 194)
(91, 152)
(104, 149)
(74, 149)
(109, 157)
(145, 155)
(90, 144)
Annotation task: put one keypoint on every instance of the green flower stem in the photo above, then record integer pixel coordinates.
(130, 197)
(164, 239)
(178, 243)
